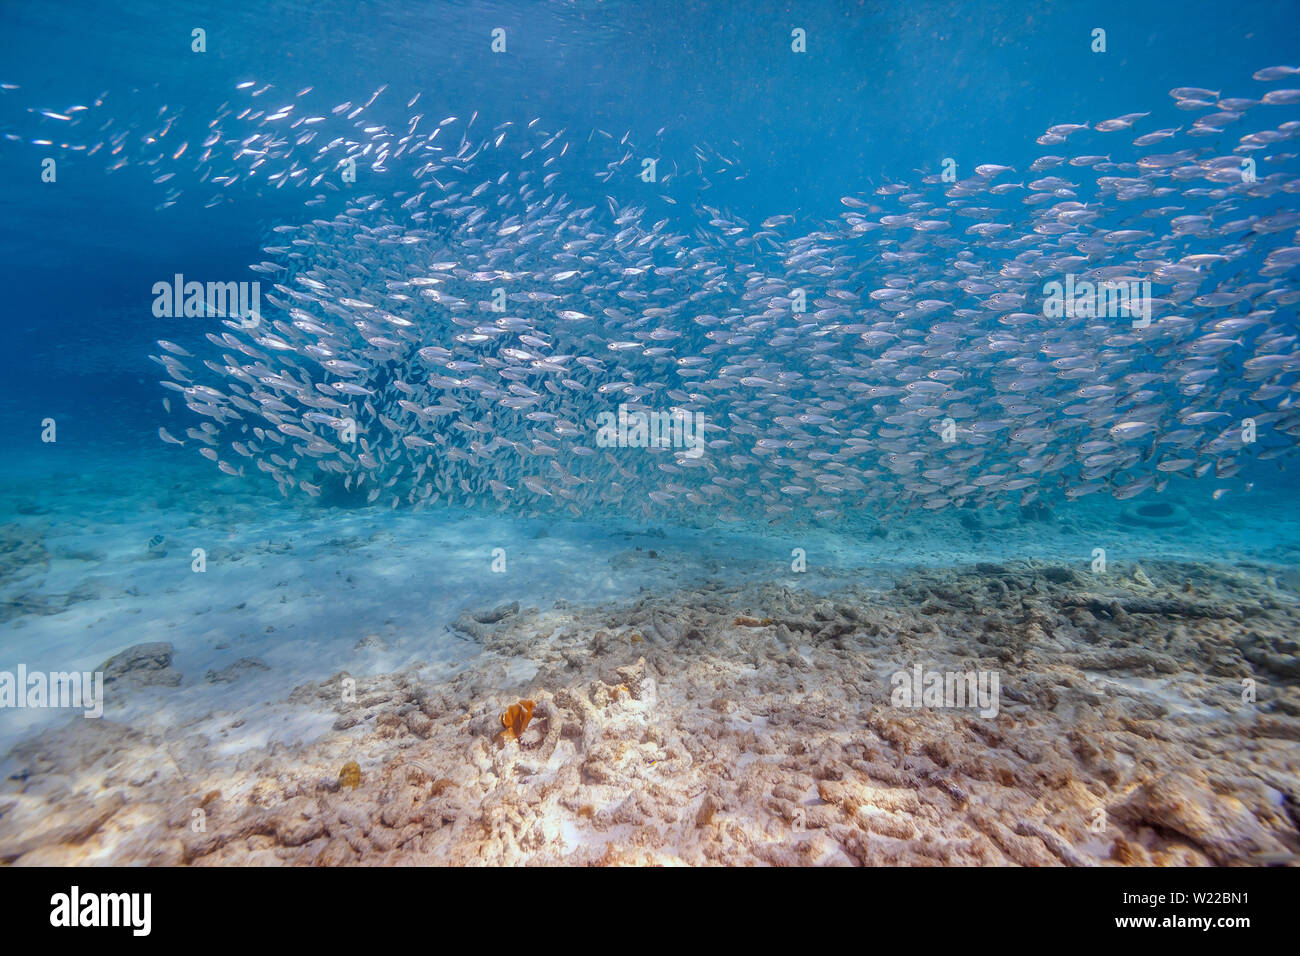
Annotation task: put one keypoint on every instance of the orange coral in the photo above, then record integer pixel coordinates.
(350, 775)
(515, 719)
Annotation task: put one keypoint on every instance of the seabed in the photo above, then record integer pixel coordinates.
(336, 687)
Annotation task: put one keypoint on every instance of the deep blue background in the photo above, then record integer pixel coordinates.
(887, 89)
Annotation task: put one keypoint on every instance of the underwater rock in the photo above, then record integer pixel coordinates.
(338, 852)
(1107, 607)
(1155, 514)
(1279, 655)
(72, 823)
(1059, 575)
(498, 613)
(479, 624)
(232, 672)
(1220, 826)
(143, 664)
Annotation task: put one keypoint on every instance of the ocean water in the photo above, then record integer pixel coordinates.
(828, 232)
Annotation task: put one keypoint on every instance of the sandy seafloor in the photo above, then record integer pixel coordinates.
(697, 700)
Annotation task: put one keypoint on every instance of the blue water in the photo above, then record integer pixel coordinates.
(885, 89)
(885, 92)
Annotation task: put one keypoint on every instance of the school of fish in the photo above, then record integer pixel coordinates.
(452, 333)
